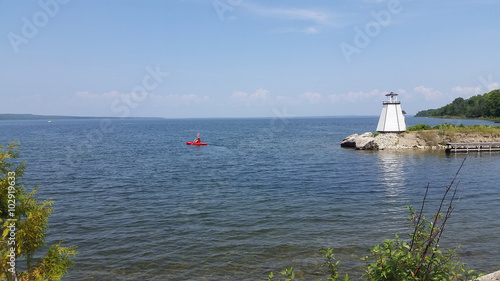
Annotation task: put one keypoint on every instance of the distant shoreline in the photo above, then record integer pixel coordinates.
(12, 116)
(19, 116)
(496, 120)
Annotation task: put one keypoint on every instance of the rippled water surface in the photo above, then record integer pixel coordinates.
(263, 195)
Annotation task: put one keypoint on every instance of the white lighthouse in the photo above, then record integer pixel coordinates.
(392, 119)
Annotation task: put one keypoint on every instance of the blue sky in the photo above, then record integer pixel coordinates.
(243, 58)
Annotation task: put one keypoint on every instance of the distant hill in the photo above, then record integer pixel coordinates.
(486, 106)
(9, 116)
(36, 117)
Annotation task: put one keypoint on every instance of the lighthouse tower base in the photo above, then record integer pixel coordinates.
(392, 119)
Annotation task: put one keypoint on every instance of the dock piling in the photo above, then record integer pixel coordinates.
(453, 147)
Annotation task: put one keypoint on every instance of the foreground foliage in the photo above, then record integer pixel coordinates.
(23, 225)
(418, 258)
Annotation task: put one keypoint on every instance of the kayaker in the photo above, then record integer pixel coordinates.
(197, 140)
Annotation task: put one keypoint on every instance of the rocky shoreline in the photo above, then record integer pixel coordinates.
(495, 276)
(429, 139)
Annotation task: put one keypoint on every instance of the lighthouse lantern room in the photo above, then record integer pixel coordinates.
(392, 119)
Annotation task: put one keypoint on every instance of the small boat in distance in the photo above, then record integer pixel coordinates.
(197, 141)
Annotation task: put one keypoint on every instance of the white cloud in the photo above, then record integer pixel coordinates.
(401, 91)
(317, 16)
(466, 92)
(286, 100)
(111, 102)
(240, 97)
(256, 103)
(428, 93)
(260, 94)
(178, 100)
(84, 98)
(311, 97)
(308, 30)
(493, 86)
(356, 96)
(84, 95)
(311, 30)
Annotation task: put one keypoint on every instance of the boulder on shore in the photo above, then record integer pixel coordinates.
(355, 139)
(368, 141)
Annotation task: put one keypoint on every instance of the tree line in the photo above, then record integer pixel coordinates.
(480, 106)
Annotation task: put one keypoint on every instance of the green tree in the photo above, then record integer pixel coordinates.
(479, 106)
(475, 106)
(23, 222)
(493, 98)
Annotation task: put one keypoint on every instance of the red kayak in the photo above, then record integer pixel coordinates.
(195, 143)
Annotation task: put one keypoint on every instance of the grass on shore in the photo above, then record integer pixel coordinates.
(447, 128)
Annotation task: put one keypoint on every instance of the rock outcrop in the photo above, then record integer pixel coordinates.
(368, 141)
(364, 141)
(490, 277)
(413, 140)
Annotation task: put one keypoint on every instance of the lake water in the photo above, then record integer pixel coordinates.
(265, 194)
